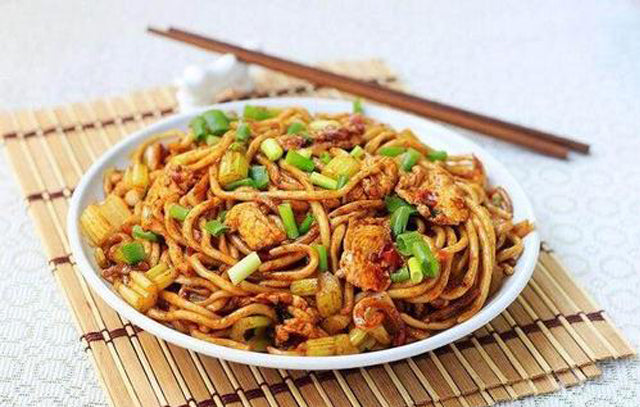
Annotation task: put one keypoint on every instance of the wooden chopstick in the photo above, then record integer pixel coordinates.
(536, 140)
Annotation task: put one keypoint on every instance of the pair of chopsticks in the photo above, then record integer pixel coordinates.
(536, 140)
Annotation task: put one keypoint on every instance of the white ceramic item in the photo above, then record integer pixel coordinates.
(90, 190)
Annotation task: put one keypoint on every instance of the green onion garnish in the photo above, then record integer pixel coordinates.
(258, 112)
(357, 106)
(357, 152)
(409, 159)
(421, 251)
(140, 233)
(325, 157)
(244, 182)
(288, 220)
(133, 252)
(296, 127)
(415, 270)
(405, 242)
(217, 122)
(323, 263)
(178, 212)
(342, 181)
(212, 140)
(244, 268)
(391, 151)
(394, 202)
(435, 155)
(306, 223)
(272, 149)
(198, 127)
(305, 152)
(215, 227)
(400, 219)
(323, 181)
(401, 275)
(243, 133)
(260, 176)
(299, 161)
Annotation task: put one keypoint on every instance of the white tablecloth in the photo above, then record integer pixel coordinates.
(572, 67)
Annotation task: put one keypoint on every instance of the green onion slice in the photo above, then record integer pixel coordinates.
(400, 219)
(405, 242)
(260, 176)
(415, 270)
(437, 155)
(342, 181)
(272, 149)
(394, 202)
(215, 227)
(133, 252)
(243, 132)
(198, 127)
(323, 264)
(288, 220)
(391, 151)
(140, 233)
(217, 122)
(178, 212)
(258, 112)
(325, 157)
(323, 181)
(400, 276)
(299, 161)
(212, 140)
(357, 106)
(409, 159)
(244, 268)
(296, 127)
(357, 152)
(244, 182)
(306, 223)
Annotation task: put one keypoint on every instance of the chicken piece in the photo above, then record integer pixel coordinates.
(347, 136)
(255, 228)
(435, 194)
(369, 255)
(376, 185)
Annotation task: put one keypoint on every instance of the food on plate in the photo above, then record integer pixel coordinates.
(281, 231)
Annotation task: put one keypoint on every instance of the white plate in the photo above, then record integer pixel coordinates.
(90, 190)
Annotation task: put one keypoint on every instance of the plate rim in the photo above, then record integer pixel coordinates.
(489, 311)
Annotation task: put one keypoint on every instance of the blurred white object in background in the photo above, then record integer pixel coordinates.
(199, 85)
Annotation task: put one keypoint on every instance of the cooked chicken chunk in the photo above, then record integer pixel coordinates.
(435, 194)
(255, 228)
(369, 255)
(377, 185)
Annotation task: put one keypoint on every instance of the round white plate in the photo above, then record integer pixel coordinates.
(90, 190)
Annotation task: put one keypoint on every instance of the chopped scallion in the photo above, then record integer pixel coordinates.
(306, 223)
(357, 106)
(260, 176)
(409, 159)
(288, 220)
(400, 219)
(244, 268)
(198, 127)
(243, 133)
(342, 181)
(217, 122)
(435, 155)
(215, 227)
(415, 270)
(212, 140)
(422, 252)
(405, 242)
(296, 127)
(178, 212)
(299, 161)
(305, 152)
(325, 157)
(245, 182)
(394, 202)
(391, 151)
(400, 276)
(133, 252)
(140, 233)
(323, 261)
(357, 152)
(258, 112)
(323, 181)
(272, 149)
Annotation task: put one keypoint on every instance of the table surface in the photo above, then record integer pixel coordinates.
(570, 67)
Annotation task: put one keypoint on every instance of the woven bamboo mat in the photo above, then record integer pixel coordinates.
(553, 335)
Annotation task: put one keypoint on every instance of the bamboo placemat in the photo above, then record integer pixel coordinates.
(553, 335)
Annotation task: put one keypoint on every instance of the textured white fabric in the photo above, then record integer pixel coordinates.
(571, 67)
